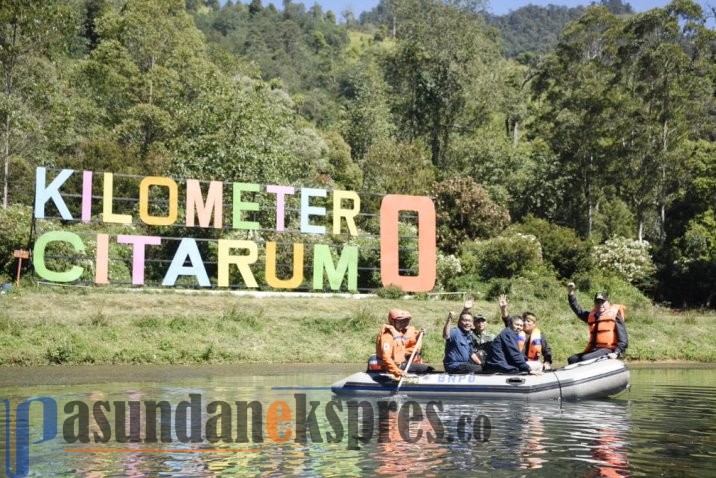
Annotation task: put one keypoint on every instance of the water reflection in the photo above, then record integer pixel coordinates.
(664, 426)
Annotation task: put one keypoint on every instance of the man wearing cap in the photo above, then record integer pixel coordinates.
(481, 338)
(395, 344)
(607, 330)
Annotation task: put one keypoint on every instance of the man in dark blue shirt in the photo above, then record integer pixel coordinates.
(504, 355)
(459, 354)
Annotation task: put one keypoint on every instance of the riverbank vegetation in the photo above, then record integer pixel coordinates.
(87, 326)
(536, 155)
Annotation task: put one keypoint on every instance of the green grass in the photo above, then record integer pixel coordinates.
(40, 326)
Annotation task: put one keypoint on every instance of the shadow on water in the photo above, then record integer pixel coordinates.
(286, 422)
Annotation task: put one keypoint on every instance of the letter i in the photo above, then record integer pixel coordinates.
(86, 196)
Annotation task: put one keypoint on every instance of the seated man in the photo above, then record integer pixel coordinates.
(607, 330)
(505, 355)
(459, 354)
(395, 344)
(536, 345)
(481, 338)
(532, 342)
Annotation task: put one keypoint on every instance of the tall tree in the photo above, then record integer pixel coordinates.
(30, 32)
(149, 64)
(578, 114)
(440, 71)
(666, 64)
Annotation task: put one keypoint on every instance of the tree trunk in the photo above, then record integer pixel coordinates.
(588, 191)
(516, 134)
(6, 160)
(662, 193)
(640, 233)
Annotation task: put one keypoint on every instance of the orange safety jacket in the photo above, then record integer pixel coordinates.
(534, 347)
(394, 348)
(521, 338)
(603, 330)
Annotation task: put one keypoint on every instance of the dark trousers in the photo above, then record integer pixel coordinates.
(588, 355)
(464, 368)
(416, 367)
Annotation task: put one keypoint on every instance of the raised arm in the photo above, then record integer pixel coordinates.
(574, 304)
(446, 329)
(503, 310)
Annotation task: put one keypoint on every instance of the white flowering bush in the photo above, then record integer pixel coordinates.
(628, 258)
(448, 268)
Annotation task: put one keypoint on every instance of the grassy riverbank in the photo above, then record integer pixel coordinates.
(40, 326)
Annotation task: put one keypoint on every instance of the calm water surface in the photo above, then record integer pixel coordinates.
(665, 425)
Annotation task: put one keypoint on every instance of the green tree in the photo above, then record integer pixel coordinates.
(367, 114)
(465, 212)
(398, 168)
(31, 33)
(578, 115)
(440, 70)
(667, 66)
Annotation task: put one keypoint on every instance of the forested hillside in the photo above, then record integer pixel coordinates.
(595, 160)
(533, 31)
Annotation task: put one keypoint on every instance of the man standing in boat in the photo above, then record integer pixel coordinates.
(395, 344)
(607, 330)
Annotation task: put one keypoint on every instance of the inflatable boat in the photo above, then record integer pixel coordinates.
(598, 378)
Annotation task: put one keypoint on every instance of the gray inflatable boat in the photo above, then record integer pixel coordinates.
(599, 378)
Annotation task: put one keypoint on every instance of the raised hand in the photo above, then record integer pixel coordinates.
(570, 288)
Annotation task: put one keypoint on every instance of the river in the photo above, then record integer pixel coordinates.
(255, 420)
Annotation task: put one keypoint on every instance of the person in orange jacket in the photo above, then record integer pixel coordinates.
(607, 330)
(395, 344)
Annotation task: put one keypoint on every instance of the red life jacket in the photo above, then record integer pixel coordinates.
(603, 330)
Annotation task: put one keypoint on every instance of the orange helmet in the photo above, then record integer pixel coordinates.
(397, 314)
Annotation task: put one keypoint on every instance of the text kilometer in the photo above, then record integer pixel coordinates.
(205, 208)
(280, 422)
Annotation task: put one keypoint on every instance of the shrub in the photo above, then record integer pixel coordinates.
(561, 247)
(620, 290)
(465, 211)
(627, 258)
(613, 219)
(448, 269)
(15, 224)
(502, 256)
(690, 276)
(391, 292)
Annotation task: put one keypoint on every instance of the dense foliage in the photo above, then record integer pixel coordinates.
(570, 126)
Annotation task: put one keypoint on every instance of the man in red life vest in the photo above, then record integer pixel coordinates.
(607, 330)
(395, 344)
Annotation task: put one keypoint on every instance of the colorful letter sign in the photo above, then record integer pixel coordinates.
(211, 233)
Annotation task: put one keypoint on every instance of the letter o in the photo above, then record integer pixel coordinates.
(390, 210)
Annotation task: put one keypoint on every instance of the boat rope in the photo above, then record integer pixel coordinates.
(560, 386)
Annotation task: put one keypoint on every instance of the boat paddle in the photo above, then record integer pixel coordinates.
(410, 361)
